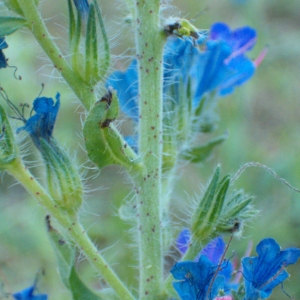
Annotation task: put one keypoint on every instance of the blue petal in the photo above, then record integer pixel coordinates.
(183, 240)
(210, 69)
(82, 6)
(179, 57)
(126, 85)
(3, 45)
(266, 271)
(27, 294)
(195, 279)
(236, 39)
(214, 250)
(242, 70)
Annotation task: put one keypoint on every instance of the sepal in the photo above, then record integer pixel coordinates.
(9, 150)
(91, 49)
(105, 145)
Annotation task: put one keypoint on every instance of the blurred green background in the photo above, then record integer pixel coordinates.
(261, 118)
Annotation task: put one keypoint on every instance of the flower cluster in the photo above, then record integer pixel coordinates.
(209, 276)
(221, 66)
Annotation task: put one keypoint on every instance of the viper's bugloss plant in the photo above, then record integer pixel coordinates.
(168, 92)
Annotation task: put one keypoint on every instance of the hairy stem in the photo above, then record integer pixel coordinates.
(37, 26)
(72, 227)
(150, 41)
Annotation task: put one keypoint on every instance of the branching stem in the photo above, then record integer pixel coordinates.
(72, 227)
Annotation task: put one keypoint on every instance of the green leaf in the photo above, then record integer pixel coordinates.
(104, 144)
(79, 290)
(8, 25)
(199, 154)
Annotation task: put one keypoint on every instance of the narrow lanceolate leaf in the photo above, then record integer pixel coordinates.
(9, 25)
(104, 144)
(199, 154)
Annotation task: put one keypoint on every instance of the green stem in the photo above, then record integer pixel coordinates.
(37, 26)
(150, 41)
(73, 228)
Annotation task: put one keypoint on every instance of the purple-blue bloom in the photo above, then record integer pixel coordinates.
(267, 270)
(214, 251)
(27, 294)
(3, 45)
(40, 125)
(195, 279)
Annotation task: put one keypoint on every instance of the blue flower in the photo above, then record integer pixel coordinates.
(196, 280)
(240, 41)
(3, 45)
(214, 251)
(266, 271)
(40, 125)
(220, 67)
(82, 6)
(27, 294)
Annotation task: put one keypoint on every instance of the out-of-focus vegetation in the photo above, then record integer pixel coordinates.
(262, 120)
